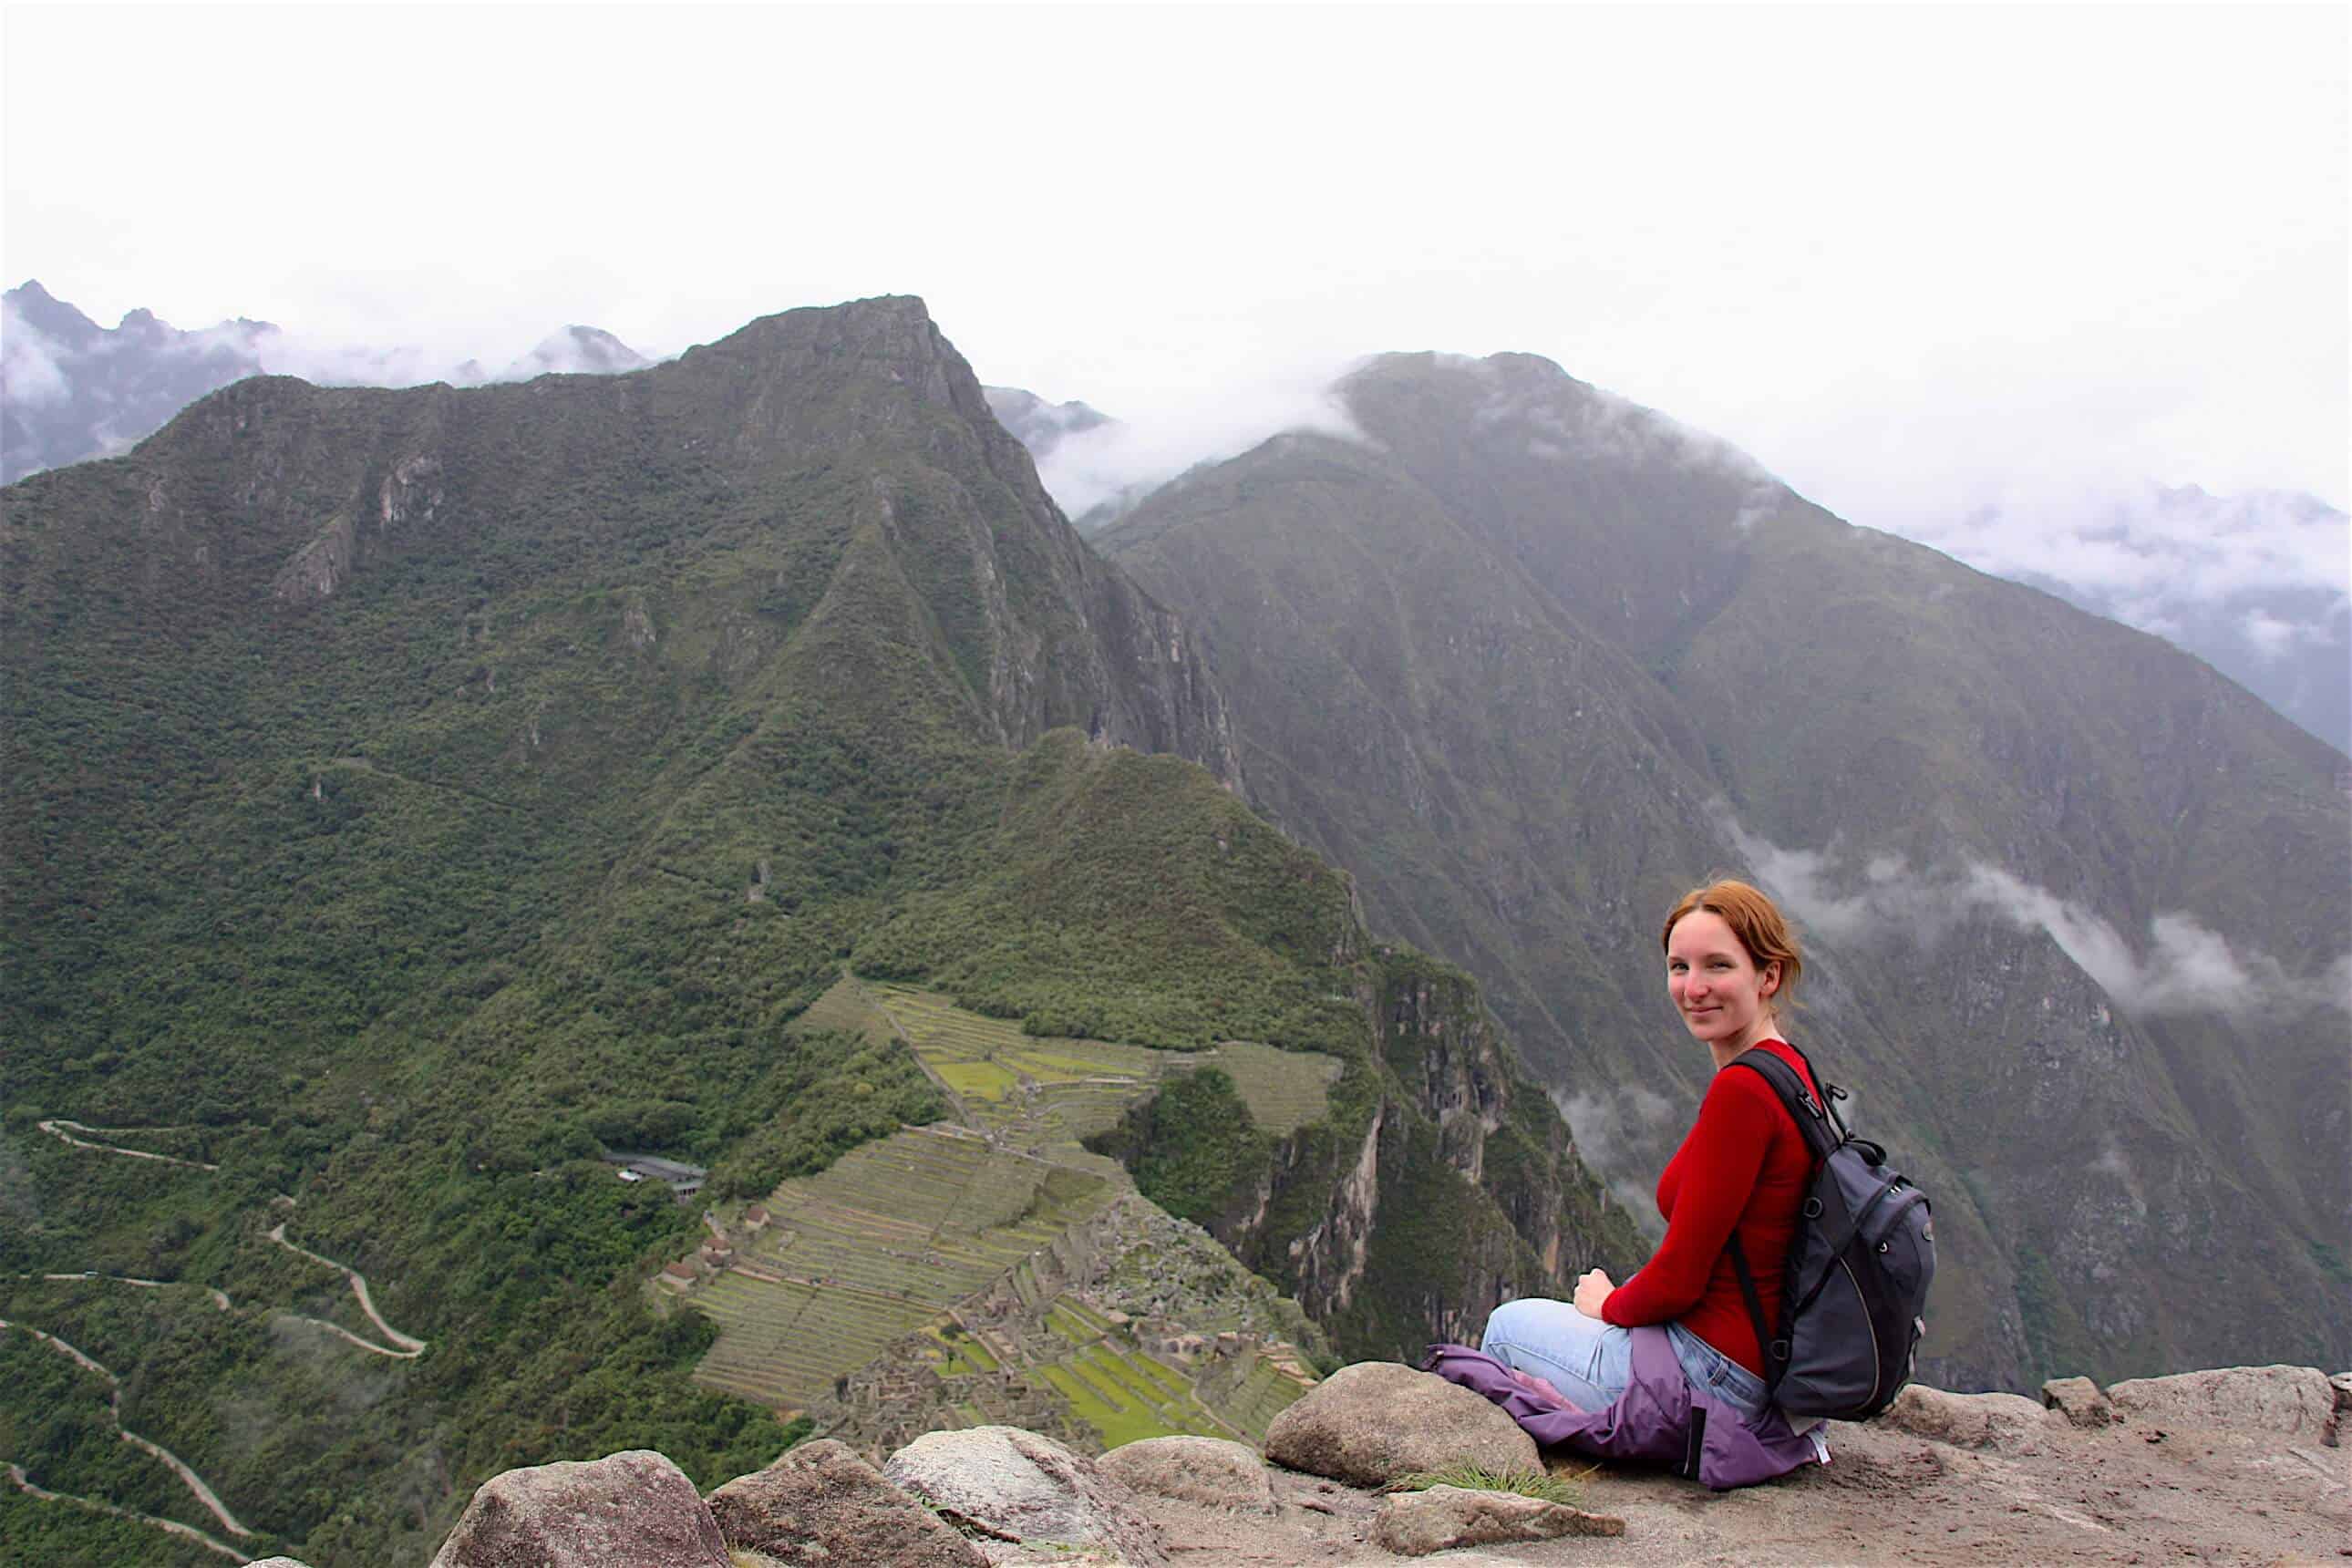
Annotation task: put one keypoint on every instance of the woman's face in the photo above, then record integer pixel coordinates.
(1724, 999)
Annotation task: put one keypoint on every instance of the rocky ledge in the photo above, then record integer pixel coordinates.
(2239, 1465)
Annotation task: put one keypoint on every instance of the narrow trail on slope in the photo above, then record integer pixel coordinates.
(195, 1482)
(410, 1346)
(361, 765)
(187, 1531)
(55, 1126)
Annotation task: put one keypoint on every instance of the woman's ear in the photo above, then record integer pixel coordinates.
(1771, 978)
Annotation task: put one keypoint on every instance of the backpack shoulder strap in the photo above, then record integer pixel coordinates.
(1766, 1346)
(1813, 1120)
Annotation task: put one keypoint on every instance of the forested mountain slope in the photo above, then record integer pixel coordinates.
(1528, 661)
(413, 794)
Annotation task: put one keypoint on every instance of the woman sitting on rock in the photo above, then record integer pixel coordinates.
(1741, 1172)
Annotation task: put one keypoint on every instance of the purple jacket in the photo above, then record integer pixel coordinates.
(1659, 1418)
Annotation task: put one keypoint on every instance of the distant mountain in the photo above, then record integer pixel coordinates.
(72, 390)
(1527, 660)
(1036, 424)
(576, 350)
(2258, 586)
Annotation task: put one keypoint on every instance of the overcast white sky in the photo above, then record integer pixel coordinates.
(1914, 259)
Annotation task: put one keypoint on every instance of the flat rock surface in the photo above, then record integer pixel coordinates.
(1377, 1421)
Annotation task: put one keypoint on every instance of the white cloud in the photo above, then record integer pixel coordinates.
(2272, 637)
(31, 368)
(2178, 967)
(1599, 1123)
(1117, 462)
(2151, 548)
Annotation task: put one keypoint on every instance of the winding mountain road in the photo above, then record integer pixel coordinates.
(410, 1347)
(195, 1482)
(187, 1531)
(220, 1298)
(55, 1126)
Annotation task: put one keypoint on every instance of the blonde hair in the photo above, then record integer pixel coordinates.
(1754, 918)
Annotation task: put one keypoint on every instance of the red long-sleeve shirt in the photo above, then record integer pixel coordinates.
(1743, 1165)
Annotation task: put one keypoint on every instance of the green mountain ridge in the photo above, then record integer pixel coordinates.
(1528, 661)
(416, 794)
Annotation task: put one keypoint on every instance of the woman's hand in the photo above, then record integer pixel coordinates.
(1593, 1287)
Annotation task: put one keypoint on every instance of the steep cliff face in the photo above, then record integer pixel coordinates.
(1443, 1183)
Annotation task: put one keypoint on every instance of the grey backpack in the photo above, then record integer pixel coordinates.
(1853, 1295)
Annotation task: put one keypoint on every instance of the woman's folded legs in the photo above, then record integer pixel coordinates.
(1589, 1361)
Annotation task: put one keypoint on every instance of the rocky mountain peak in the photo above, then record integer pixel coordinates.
(37, 308)
(1038, 424)
(576, 350)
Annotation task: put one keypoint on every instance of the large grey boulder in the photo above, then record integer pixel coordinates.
(1005, 1487)
(636, 1508)
(2291, 1401)
(2004, 1421)
(1208, 1470)
(821, 1504)
(1371, 1423)
(1415, 1524)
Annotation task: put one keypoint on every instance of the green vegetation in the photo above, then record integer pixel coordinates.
(543, 824)
(1564, 1490)
(1193, 1146)
(35, 1530)
(1285, 1090)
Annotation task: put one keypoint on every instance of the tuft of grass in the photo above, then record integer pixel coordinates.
(1567, 1489)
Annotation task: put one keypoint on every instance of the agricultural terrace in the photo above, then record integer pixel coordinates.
(1027, 1091)
(874, 1248)
(882, 1243)
(1285, 1090)
(1122, 1392)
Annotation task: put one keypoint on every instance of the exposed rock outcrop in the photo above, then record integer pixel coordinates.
(2220, 1465)
(1005, 1487)
(1372, 1423)
(1207, 1471)
(2080, 1400)
(2006, 1421)
(821, 1505)
(1415, 1524)
(2293, 1401)
(634, 1507)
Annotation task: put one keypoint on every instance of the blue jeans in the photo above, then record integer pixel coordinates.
(1591, 1361)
